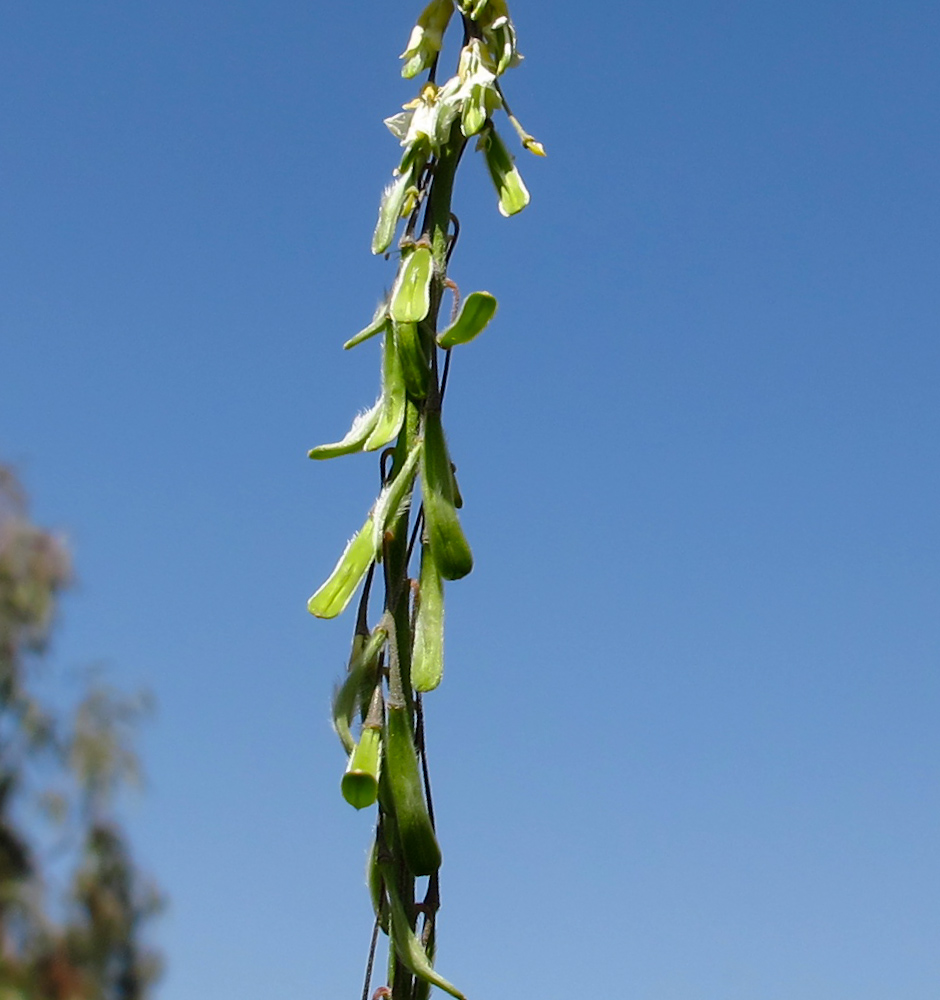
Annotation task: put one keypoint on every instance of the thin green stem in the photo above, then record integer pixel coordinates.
(437, 221)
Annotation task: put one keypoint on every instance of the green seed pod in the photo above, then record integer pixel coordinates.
(419, 844)
(360, 785)
(392, 401)
(376, 326)
(394, 498)
(344, 697)
(414, 361)
(513, 196)
(446, 537)
(411, 296)
(422, 990)
(363, 663)
(377, 887)
(390, 209)
(477, 310)
(406, 943)
(427, 659)
(355, 439)
(333, 596)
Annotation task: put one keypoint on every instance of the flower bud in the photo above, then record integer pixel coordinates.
(513, 195)
(427, 37)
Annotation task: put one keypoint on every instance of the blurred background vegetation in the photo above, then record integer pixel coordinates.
(73, 905)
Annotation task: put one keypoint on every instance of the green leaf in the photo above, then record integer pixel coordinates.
(477, 310)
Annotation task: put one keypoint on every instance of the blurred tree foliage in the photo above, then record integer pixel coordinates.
(72, 903)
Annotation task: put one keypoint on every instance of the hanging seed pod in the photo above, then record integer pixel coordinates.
(376, 326)
(397, 198)
(333, 596)
(411, 296)
(427, 658)
(448, 543)
(360, 784)
(406, 944)
(414, 361)
(428, 939)
(377, 886)
(419, 844)
(363, 665)
(390, 208)
(392, 401)
(477, 310)
(355, 439)
(395, 498)
(513, 195)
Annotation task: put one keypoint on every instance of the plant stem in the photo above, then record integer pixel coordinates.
(437, 220)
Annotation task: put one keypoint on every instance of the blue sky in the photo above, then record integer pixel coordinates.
(686, 747)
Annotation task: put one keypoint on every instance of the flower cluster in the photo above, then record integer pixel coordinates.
(472, 96)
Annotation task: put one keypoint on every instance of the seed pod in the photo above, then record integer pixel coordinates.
(406, 944)
(414, 361)
(513, 195)
(411, 296)
(360, 785)
(377, 887)
(376, 326)
(477, 310)
(363, 662)
(394, 498)
(419, 844)
(448, 543)
(333, 596)
(390, 208)
(422, 990)
(392, 401)
(355, 439)
(427, 658)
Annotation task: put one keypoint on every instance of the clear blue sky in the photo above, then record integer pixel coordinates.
(687, 744)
